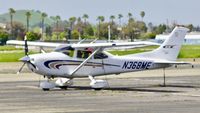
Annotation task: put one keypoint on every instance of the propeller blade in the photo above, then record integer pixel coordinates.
(25, 46)
(21, 68)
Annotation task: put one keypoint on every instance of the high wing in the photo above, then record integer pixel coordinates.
(110, 45)
(32, 43)
(84, 45)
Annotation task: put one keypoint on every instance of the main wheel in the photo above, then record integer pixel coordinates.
(63, 87)
(45, 89)
(97, 89)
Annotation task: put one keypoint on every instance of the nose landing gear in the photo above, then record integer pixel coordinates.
(62, 83)
(47, 85)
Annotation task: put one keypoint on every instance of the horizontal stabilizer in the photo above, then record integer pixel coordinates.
(171, 62)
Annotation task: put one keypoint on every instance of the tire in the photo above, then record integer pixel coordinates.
(97, 89)
(45, 89)
(63, 87)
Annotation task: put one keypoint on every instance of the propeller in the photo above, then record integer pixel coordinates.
(25, 46)
(26, 58)
(21, 68)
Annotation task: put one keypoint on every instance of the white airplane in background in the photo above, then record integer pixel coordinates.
(89, 60)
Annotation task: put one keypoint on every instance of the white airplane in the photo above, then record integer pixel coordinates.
(89, 60)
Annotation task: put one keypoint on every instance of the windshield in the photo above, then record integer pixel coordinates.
(67, 50)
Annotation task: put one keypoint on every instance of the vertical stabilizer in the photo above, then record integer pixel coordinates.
(170, 48)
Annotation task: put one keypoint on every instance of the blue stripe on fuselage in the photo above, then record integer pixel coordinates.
(68, 61)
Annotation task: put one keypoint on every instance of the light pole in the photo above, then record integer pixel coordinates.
(108, 33)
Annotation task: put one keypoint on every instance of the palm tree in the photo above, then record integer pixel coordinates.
(72, 20)
(119, 17)
(28, 16)
(100, 19)
(43, 16)
(57, 21)
(142, 14)
(129, 16)
(12, 12)
(112, 17)
(85, 17)
(79, 21)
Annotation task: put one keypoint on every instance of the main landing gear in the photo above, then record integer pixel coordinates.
(62, 83)
(97, 84)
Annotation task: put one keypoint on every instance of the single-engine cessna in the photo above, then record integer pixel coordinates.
(69, 61)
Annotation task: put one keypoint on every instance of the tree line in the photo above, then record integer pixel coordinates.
(80, 27)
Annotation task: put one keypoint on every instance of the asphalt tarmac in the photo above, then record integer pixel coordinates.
(140, 92)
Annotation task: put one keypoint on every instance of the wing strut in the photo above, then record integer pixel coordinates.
(93, 41)
(85, 61)
(81, 41)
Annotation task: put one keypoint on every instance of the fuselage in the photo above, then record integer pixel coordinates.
(58, 64)
(82, 60)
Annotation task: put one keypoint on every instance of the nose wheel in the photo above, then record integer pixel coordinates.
(47, 85)
(62, 83)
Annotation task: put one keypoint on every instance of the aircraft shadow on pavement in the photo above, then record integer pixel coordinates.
(136, 89)
(180, 86)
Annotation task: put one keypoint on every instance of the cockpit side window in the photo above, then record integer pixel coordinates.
(69, 51)
(83, 54)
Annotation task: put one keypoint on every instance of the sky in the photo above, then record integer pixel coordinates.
(156, 11)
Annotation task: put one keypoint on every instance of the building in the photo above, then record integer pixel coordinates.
(2, 25)
(191, 38)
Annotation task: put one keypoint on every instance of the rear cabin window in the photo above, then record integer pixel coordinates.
(100, 56)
